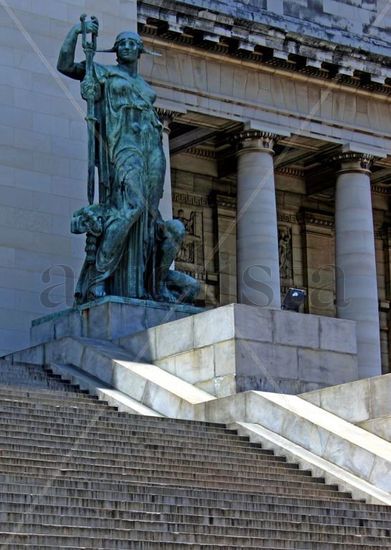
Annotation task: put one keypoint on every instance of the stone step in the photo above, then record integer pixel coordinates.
(110, 419)
(205, 516)
(250, 538)
(186, 523)
(145, 458)
(144, 545)
(270, 506)
(112, 500)
(197, 473)
(213, 480)
(132, 441)
(101, 494)
(112, 423)
(155, 458)
(150, 545)
(241, 454)
(50, 400)
(67, 391)
(32, 376)
(234, 458)
(45, 437)
(129, 488)
(51, 383)
(76, 525)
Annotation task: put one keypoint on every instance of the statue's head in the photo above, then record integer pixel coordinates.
(128, 45)
(128, 40)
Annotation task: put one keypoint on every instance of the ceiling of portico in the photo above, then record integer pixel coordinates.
(309, 158)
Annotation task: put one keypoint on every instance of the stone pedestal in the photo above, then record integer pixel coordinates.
(108, 319)
(356, 282)
(257, 236)
(237, 347)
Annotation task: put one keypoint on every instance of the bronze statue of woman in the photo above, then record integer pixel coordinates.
(129, 247)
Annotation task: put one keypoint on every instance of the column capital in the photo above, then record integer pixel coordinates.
(351, 161)
(256, 140)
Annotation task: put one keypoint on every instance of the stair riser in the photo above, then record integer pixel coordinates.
(188, 525)
(202, 516)
(251, 538)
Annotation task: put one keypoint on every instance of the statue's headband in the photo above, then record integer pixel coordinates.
(133, 36)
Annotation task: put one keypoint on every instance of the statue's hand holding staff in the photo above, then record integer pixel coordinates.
(88, 27)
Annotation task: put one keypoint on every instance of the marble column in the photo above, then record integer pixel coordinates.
(258, 273)
(356, 281)
(165, 206)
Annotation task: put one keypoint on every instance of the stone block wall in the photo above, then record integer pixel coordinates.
(42, 157)
(237, 348)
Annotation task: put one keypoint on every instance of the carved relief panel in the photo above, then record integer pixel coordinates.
(285, 254)
(191, 255)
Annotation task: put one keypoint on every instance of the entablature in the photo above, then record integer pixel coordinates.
(265, 44)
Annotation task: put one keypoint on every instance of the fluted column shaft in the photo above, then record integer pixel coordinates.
(257, 235)
(356, 282)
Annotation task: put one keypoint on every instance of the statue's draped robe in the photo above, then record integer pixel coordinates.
(131, 167)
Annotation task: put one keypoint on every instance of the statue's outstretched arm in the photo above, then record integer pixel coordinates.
(66, 59)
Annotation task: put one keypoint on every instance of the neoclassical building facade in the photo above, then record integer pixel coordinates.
(279, 144)
(277, 132)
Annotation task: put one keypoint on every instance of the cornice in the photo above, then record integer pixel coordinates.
(320, 219)
(288, 171)
(380, 189)
(225, 201)
(267, 45)
(200, 152)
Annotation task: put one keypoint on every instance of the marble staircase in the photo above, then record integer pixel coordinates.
(330, 446)
(77, 473)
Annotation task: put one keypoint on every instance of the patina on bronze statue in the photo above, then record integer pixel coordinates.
(130, 248)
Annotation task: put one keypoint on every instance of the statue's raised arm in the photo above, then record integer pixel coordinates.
(129, 247)
(66, 59)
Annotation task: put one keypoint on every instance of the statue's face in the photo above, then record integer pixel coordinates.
(128, 50)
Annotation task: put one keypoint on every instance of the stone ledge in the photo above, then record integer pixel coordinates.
(319, 467)
(108, 318)
(357, 402)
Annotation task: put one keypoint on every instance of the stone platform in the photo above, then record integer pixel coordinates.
(237, 347)
(108, 318)
(222, 351)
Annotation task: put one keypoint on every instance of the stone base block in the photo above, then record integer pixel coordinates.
(237, 348)
(109, 318)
